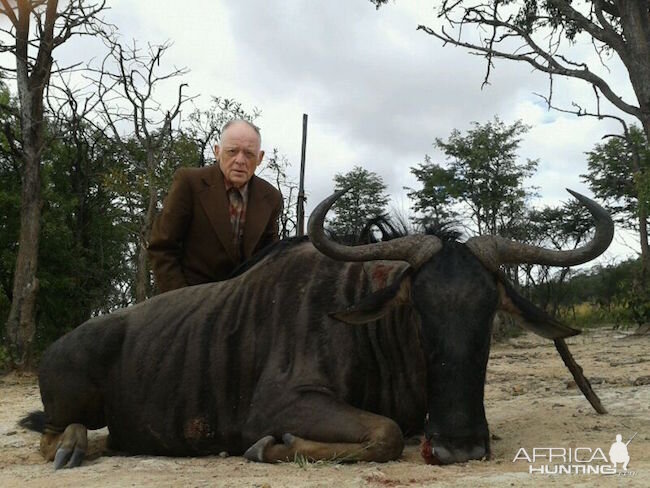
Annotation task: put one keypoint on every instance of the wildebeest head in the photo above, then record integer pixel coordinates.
(456, 289)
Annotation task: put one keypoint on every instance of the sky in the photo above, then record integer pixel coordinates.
(377, 91)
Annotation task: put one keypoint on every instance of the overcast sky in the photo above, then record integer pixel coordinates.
(377, 91)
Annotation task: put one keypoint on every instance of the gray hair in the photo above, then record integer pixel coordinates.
(244, 121)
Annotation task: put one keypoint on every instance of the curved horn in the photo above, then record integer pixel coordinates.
(494, 251)
(415, 250)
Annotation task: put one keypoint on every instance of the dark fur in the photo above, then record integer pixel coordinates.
(34, 421)
(216, 367)
(277, 247)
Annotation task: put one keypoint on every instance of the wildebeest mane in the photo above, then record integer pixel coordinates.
(388, 228)
(395, 228)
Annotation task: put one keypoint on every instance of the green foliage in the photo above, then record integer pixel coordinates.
(130, 183)
(203, 127)
(434, 202)
(533, 15)
(481, 175)
(95, 192)
(634, 300)
(366, 199)
(81, 243)
(10, 187)
(603, 295)
(82, 240)
(182, 151)
(619, 174)
(562, 227)
(276, 166)
(527, 15)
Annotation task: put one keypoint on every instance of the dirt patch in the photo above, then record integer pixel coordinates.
(531, 401)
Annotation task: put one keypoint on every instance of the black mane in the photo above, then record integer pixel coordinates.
(388, 228)
(393, 229)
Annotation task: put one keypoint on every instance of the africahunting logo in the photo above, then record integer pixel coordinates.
(578, 460)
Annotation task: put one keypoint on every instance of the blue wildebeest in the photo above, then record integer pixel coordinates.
(267, 365)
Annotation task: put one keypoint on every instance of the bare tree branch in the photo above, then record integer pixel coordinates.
(8, 10)
(539, 59)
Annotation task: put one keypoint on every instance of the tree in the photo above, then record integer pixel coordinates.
(9, 200)
(204, 126)
(481, 174)
(616, 175)
(366, 199)
(434, 202)
(561, 227)
(544, 34)
(541, 34)
(36, 28)
(81, 242)
(277, 165)
(134, 77)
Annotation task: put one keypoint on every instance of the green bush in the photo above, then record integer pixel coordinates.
(634, 300)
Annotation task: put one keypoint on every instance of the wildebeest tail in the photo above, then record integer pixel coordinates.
(34, 421)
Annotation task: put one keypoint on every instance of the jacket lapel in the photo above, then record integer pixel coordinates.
(257, 215)
(216, 205)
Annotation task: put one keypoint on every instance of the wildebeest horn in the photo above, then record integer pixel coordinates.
(494, 250)
(415, 250)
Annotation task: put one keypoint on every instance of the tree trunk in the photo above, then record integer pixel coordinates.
(644, 195)
(643, 234)
(32, 76)
(21, 323)
(142, 271)
(143, 281)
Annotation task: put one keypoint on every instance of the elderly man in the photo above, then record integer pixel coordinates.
(215, 217)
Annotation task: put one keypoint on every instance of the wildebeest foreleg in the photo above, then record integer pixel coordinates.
(67, 448)
(320, 427)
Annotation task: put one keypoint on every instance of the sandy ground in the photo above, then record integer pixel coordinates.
(530, 402)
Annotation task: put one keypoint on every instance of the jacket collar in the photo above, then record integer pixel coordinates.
(214, 200)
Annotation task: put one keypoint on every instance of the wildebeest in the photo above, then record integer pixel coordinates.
(268, 365)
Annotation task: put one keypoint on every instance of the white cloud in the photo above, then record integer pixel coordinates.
(377, 91)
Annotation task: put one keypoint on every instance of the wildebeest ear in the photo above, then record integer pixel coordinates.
(379, 303)
(530, 316)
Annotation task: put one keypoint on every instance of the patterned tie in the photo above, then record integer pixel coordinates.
(236, 203)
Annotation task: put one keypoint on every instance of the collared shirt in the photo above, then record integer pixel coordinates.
(238, 198)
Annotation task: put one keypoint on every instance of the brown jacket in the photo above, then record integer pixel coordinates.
(192, 240)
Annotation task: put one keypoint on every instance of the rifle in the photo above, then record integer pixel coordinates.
(631, 438)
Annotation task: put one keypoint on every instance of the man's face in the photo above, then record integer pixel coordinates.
(239, 153)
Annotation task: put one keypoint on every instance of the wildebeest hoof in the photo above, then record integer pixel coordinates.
(72, 447)
(62, 457)
(65, 457)
(288, 439)
(256, 451)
